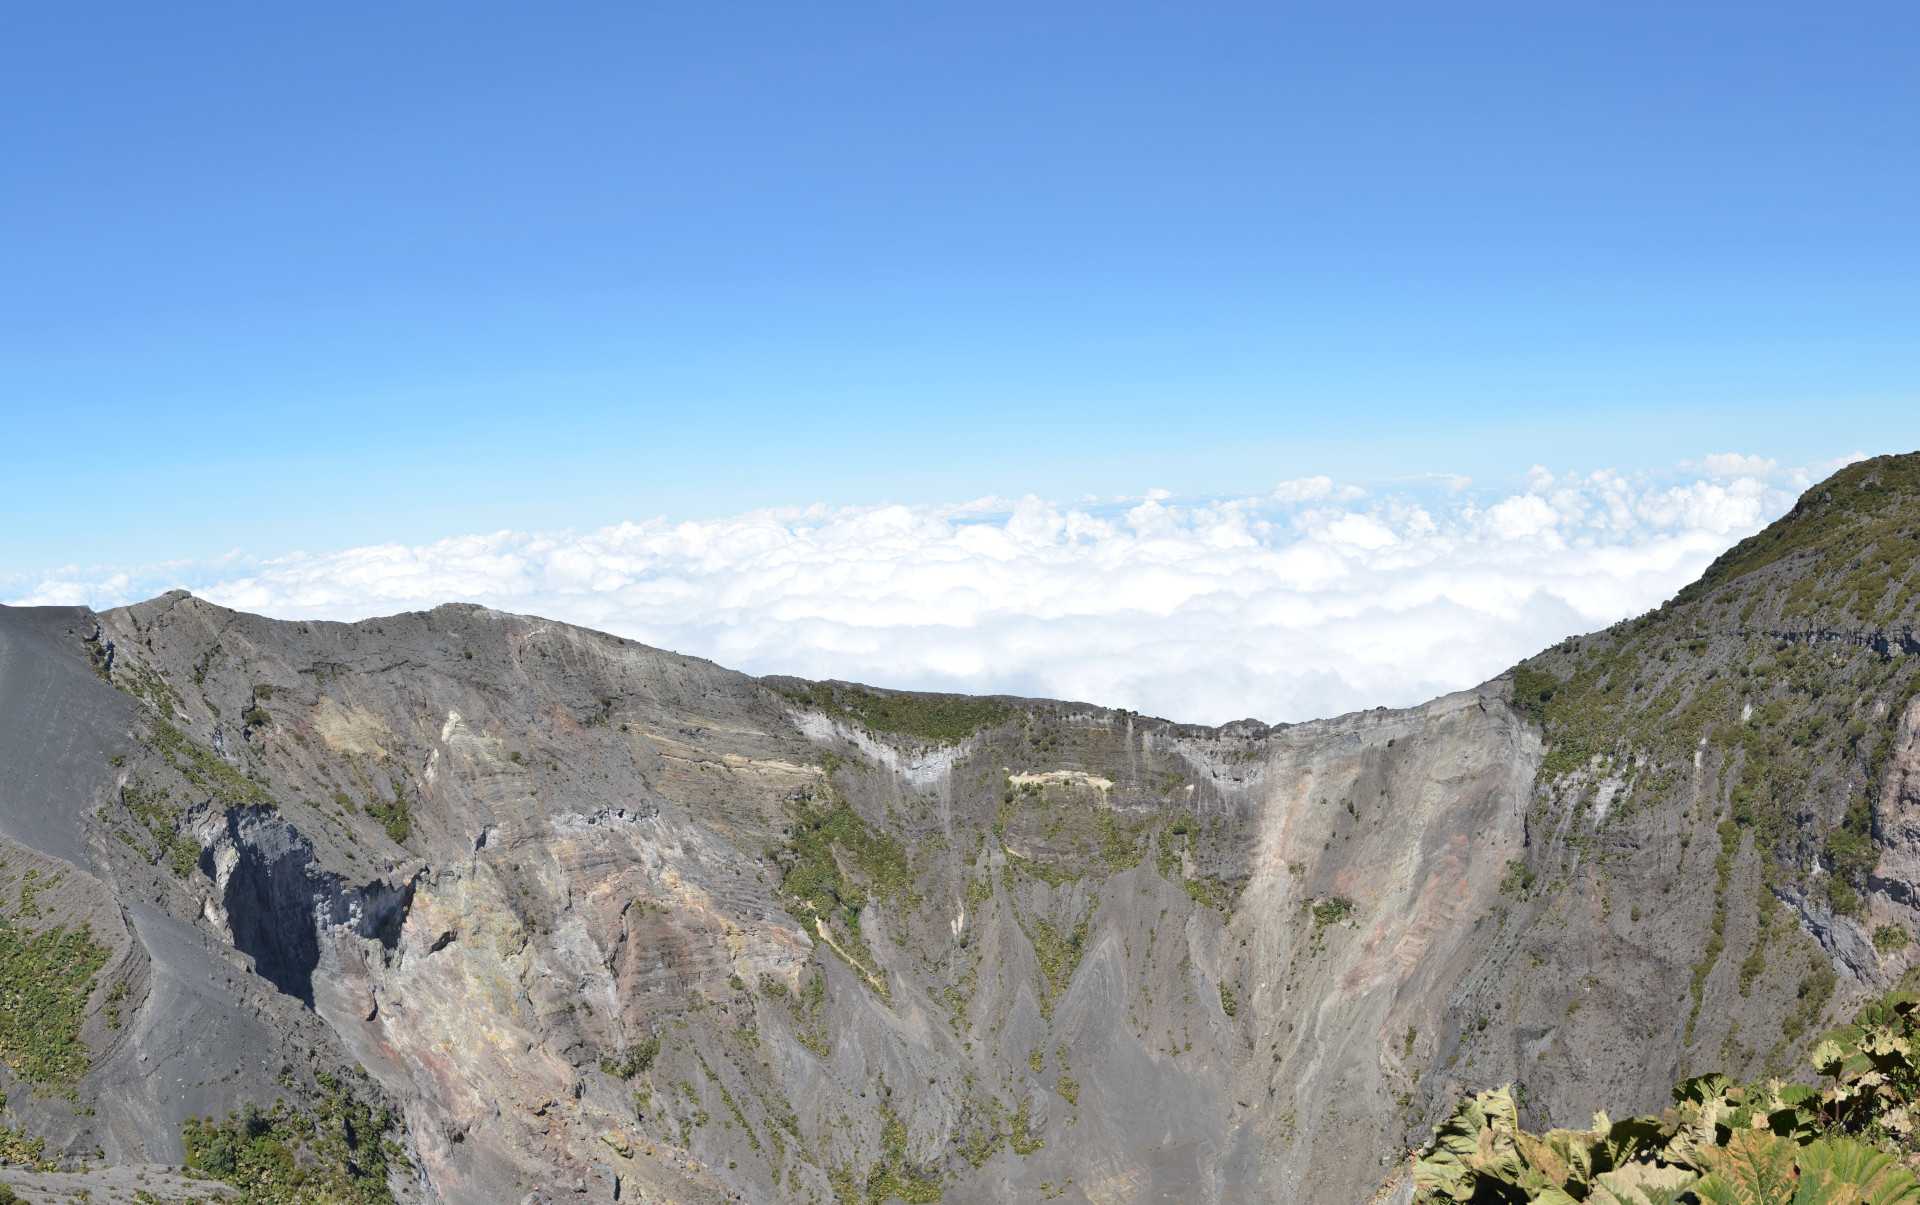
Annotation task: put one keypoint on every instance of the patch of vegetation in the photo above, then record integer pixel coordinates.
(982, 1130)
(979, 891)
(205, 769)
(1518, 880)
(1047, 872)
(941, 719)
(144, 683)
(634, 1060)
(823, 833)
(155, 811)
(1119, 841)
(1068, 1088)
(1174, 839)
(1209, 891)
(395, 817)
(1058, 955)
(1864, 508)
(1021, 1140)
(1766, 917)
(1604, 710)
(115, 998)
(204, 664)
(1810, 1000)
(46, 979)
(727, 1099)
(894, 1177)
(1229, 1002)
(1331, 911)
(31, 885)
(21, 1149)
(1533, 689)
(98, 659)
(339, 1153)
(1717, 927)
(1851, 855)
(1890, 939)
(1069, 829)
(826, 842)
(808, 1007)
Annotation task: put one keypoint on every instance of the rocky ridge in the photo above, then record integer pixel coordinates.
(498, 907)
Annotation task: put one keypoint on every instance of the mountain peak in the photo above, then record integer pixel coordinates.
(1847, 542)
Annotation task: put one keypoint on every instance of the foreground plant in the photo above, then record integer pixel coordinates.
(1845, 1142)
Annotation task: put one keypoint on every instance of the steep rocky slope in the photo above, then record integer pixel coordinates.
(496, 907)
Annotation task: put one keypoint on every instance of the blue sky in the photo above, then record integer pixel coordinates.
(275, 280)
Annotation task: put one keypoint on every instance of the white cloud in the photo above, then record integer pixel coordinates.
(1734, 464)
(1313, 598)
(68, 587)
(1522, 516)
(1314, 489)
(1361, 531)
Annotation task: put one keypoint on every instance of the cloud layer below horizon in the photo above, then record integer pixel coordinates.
(1311, 599)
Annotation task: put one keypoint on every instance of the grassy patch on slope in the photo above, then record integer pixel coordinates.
(46, 978)
(339, 1153)
(942, 719)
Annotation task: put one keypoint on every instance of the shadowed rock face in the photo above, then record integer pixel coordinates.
(279, 905)
(596, 917)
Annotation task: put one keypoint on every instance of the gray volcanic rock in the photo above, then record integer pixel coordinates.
(599, 920)
(1094, 973)
(60, 729)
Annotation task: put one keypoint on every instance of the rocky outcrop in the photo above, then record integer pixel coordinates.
(1897, 815)
(281, 909)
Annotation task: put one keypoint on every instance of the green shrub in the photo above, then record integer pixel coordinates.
(634, 1061)
(21, 1149)
(206, 769)
(1058, 955)
(1022, 1141)
(46, 979)
(895, 1177)
(1533, 689)
(156, 812)
(1331, 911)
(395, 817)
(827, 839)
(338, 1153)
(942, 719)
(1518, 880)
